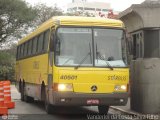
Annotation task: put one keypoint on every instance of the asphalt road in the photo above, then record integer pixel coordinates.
(36, 111)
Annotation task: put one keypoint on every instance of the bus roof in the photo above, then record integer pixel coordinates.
(73, 21)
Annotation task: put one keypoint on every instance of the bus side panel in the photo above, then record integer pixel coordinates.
(34, 71)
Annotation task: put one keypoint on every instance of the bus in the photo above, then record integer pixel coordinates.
(74, 61)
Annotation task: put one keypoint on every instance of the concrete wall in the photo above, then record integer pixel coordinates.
(145, 85)
(145, 72)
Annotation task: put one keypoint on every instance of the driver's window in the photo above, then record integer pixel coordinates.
(52, 37)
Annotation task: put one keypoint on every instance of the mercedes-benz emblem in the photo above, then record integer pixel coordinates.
(94, 88)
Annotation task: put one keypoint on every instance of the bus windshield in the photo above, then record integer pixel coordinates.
(89, 47)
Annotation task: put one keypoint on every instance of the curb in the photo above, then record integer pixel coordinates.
(125, 111)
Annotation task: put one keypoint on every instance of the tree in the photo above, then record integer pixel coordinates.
(44, 13)
(14, 15)
(7, 63)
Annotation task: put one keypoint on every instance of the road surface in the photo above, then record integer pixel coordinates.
(36, 111)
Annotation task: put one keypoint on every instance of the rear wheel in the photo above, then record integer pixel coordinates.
(24, 97)
(28, 99)
(103, 109)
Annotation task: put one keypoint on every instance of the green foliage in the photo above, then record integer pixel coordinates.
(7, 63)
(14, 15)
(44, 13)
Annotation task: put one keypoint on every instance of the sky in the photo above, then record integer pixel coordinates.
(117, 5)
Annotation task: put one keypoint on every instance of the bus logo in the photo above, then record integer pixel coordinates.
(94, 88)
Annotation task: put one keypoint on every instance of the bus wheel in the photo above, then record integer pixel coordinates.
(28, 99)
(22, 91)
(20, 86)
(103, 109)
(24, 97)
(48, 106)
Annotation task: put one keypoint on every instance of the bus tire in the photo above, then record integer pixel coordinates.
(24, 97)
(43, 92)
(103, 109)
(28, 99)
(48, 106)
(20, 86)
(22, 91)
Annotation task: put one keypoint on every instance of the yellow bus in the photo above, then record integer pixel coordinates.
(74, 61)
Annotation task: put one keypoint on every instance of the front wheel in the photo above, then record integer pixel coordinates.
(22, 91)
(103, 109)
(48, 106)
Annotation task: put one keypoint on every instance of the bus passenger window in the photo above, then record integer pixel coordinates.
(40, 43)
(25, 49)
(30, 48)
(34, 45)
(22, 50)
(17, 52)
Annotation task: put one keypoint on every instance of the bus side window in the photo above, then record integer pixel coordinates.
(45, 40)
(40, 43)
(17, 52)
(37, 43)
(22, 50)
(34, 47)
(25, 49)
(19, 55)
(30, 48)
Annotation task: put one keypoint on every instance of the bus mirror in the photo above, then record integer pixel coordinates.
(52, 39)
(57, 47)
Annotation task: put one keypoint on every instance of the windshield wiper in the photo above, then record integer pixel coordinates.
(84, 59)
(98, 54)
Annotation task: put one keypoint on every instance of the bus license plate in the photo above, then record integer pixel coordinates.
(93, 101)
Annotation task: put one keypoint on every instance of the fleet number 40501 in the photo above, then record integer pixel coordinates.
(68, 77)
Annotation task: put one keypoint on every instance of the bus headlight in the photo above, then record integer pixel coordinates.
(120, 88)
(65, 87)
(123, 87)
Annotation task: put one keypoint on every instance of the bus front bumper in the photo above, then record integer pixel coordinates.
(84, 99)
